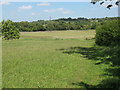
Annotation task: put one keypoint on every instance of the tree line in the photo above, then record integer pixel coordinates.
(61, 24)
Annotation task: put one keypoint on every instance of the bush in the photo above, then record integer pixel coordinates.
(108, 34)
(9, 31)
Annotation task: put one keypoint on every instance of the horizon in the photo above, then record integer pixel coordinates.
(65, 18)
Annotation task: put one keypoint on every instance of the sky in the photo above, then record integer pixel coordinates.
(33, 11)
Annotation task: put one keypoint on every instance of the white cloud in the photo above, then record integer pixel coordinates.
(25, 7)
(46, 10)
(66, 12)
(4, 3)
(43, 4)
(58, 10)
(33, 14)
(50, 11)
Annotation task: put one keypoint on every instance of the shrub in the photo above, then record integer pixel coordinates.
(9, 31)
(108, 34)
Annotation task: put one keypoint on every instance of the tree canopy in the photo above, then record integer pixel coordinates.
(9, 30)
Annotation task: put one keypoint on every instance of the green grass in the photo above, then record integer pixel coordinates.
(46, 60)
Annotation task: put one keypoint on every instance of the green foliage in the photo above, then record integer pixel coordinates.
(61, 24)
(0, 29)
(9, 31)
(108, 34)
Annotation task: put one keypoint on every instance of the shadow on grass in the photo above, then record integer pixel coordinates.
(106, 55)
(108, 83)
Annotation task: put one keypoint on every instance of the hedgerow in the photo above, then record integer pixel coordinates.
(108, 34)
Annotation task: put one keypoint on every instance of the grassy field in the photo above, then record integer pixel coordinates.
(59, 59)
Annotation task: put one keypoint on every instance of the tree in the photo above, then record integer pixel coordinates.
(103, 1)
(9, 31)
(108, 34)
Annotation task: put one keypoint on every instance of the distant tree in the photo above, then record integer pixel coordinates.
(62, 24)
(9, 31)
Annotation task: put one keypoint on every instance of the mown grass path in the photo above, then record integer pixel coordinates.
(39, 60)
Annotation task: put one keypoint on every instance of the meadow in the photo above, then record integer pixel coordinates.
(52, 59)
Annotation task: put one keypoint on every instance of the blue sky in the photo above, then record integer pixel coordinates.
(33, 11)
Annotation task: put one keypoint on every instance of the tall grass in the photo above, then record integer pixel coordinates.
(50, 60)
